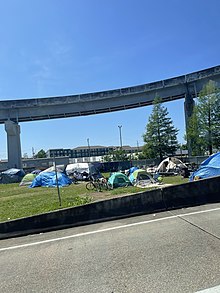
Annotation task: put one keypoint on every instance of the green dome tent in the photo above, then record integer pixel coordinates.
(141, 175)
(27, 179)
(118, 180)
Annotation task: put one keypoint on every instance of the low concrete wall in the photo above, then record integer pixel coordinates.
(188, 194)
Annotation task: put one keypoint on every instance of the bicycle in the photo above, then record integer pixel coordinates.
(91, 185)
(104, 184)
(98, 184)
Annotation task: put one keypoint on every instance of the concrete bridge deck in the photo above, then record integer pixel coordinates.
(14, 111)
(107, 101)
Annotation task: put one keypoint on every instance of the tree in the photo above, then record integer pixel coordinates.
(193, 134)
(116, 155)
(41, 154)
(216, 129)
(141, 156)
(25, 156)
(160, 137)
(206, 115)
(204, 126)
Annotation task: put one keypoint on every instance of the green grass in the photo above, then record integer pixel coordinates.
(17, 202)
(175, 180)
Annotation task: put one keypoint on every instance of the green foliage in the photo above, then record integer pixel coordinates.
(116, 155)
(208, 115)
(141, 156)
(204, 126)
(184, 146)
(41, 154)
(193, 134)
(160, 137)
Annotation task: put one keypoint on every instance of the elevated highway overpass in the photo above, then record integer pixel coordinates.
(14, 111)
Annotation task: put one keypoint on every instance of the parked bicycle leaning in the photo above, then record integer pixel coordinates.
(97, 183)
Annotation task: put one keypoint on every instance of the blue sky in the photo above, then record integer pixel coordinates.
(52, 48)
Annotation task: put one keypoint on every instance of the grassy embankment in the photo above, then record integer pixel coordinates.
(17, 202)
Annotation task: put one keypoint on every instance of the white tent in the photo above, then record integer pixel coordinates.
(80, 168)
(170, 164)
(59, 168)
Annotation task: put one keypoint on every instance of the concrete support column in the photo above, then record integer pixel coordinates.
(188, 107)
(13, 144)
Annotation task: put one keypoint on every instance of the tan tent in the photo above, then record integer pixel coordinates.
(170, 164)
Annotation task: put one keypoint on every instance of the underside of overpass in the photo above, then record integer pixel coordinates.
(14, 111)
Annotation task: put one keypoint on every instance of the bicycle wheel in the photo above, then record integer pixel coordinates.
(90, 186)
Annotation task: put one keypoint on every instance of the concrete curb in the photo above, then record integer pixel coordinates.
(172, 197)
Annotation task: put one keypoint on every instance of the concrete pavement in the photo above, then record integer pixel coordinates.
(174, 251)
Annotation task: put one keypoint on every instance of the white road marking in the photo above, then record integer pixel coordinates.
(210, 290)
(107, 229)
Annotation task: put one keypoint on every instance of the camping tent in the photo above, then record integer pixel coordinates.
(81, 171)
(132, 169)
(11, 175)
(170, 164)
(27, 179)
(118, 180)
(208, 168)
(59, 168)
(80, 168)
(129, 171)
(37, 171)
(141, 175)
(48, 179)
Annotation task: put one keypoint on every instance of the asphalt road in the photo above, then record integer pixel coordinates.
(176, 251)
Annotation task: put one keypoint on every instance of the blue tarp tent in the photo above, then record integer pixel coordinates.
(132, 169)
(209, 168)
(11, 175)
(48, 179)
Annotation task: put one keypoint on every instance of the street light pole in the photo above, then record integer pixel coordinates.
(88, 147)
(120, 126)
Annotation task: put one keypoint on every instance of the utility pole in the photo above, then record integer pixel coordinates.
(58, 189)
(138, 145)
(33, 153)
(89, 148)
(120, 126)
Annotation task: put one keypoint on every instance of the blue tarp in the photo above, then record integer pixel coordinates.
(48, 179)
(209, 168)
(11, 175)
(132, 169)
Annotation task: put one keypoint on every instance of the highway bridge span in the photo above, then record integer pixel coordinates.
(14, 111)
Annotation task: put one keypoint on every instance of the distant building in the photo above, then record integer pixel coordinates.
(38, 163)
(89, 153)
(59, 153)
